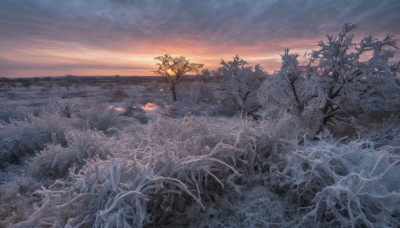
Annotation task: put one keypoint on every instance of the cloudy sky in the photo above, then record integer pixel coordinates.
(109, 37)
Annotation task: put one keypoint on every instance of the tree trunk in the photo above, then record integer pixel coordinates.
(173, 91)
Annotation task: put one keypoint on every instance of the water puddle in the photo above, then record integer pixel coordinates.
(151, 107)
(116, 108)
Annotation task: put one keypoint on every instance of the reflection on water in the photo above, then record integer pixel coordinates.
(150, 107)
(116, 108)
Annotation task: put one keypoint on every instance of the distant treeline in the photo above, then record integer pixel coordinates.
(92, 79)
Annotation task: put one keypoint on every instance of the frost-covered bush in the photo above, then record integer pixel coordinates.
(335, 184)
(136, 112)
(207, 93)
(17, 200)
(21, 138)
(287, 91)
(118, 94)
(350, 84)
(336, 83)
(14, 113)
(68, 108)
(241, 83)
(384, 132)
(54, 161)
(381, 73)
(101, 119)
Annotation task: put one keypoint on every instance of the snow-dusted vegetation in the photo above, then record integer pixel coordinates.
(315, 145)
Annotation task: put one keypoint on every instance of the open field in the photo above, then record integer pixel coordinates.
(88, 152)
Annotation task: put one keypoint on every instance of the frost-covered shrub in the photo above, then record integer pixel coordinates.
(137, 112)
(288, 91)
(101, 119)
(14, 113)
(350, 84)
(381, 82)
(333, 184)
(68, 108)
(118, 94)
(384, 132)
(335, 84)
(207, 93)
(178, 109)
(17, 201)
(241, 83)
(21, 138)
(54, 161)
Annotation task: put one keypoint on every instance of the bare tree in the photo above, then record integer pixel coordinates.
(171, 68)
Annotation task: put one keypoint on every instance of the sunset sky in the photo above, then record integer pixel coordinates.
(110, 37)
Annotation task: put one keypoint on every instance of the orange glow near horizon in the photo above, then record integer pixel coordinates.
(59, 59)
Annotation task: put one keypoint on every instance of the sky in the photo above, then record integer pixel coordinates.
(122, 37)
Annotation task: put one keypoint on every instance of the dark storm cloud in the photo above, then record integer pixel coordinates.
(215, 22)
